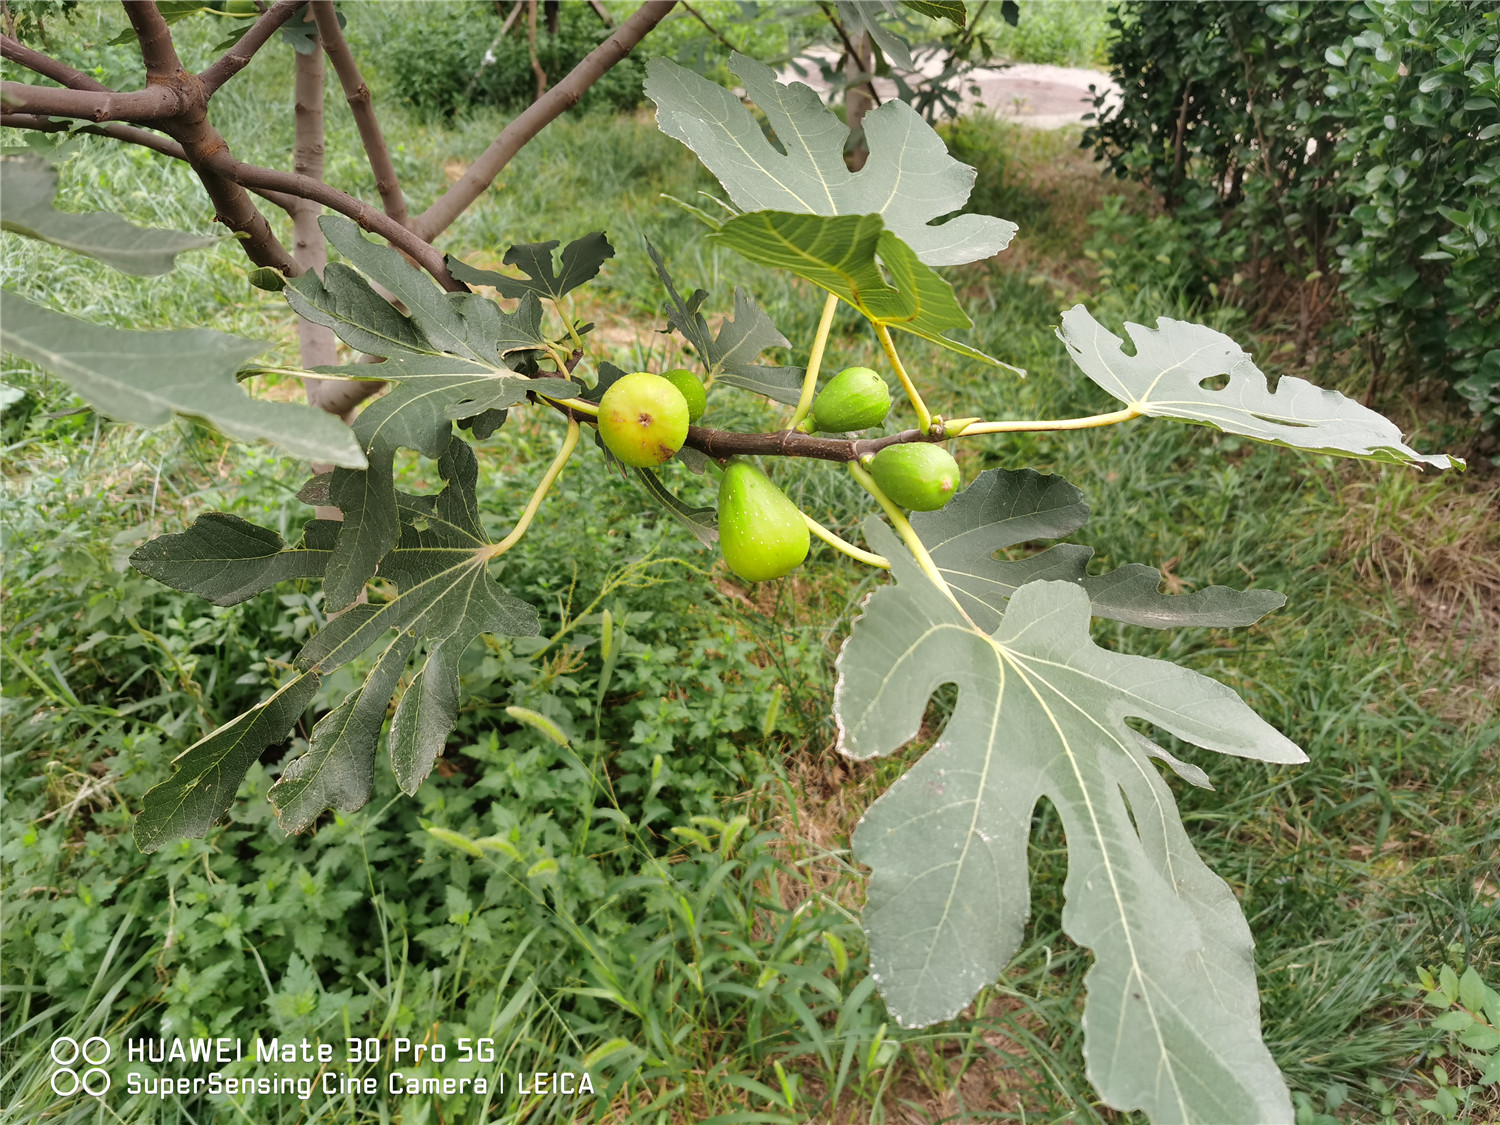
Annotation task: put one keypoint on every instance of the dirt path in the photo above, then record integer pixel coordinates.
(1044, 97)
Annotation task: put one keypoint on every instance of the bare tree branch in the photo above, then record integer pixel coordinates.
(150, 104)
(45, 65)
(233, 61)
(155, 41)
(536, 63)
(472, 184)
(358, 95)
(370, 218)
(130, 135)
(712, 30)
(317, 345)
(720, 444)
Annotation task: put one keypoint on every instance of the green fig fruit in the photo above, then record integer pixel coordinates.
(916, 475)
(854, 399)
(761, 532)
(692, 390)
(643, 419)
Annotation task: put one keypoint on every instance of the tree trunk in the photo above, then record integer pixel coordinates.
(859, 100)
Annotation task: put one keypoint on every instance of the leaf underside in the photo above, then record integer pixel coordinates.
(1165, 377)
(1171, 1021)
(146, 377)
(28, 187)
(840, 255)
(1007, 507)
(909, 178)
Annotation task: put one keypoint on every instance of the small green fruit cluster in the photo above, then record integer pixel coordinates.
(644, 419)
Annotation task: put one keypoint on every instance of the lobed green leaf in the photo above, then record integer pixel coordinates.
(1171, 1021)
(909, 179)
(840, 255)
(146, 377)
(210, 770)
(29, 186)
(1165, 379)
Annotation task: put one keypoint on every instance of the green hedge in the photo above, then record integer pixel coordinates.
(445, 56)
(1340, 159)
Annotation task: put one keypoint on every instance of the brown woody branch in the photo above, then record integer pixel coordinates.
(151, 104)
(155, 41)
(48, 67)
(472, 184)
(720, 444)
(370, 218)
(235, 59)
(358, 95)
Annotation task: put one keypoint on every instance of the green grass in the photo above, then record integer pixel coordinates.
(674, 947)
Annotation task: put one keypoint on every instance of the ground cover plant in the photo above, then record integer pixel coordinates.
(556, 739)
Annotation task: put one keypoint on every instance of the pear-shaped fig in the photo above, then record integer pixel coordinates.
(854, 399)
(761, 532)
(916, 475)
(643, 419)
(692, 390)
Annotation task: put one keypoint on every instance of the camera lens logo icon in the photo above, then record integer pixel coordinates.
(67, 1052)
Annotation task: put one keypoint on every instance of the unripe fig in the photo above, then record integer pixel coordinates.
(761, 532)
(916, 475)
(643, 419)
(854, 399)
(692, 390)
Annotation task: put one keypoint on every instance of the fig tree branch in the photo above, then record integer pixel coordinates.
(155, 41)
(472, 184)
(151, 104)
(48, 67)
(360, 105)
(234, 60)
(370, 218)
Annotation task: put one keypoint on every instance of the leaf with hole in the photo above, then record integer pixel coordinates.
(909, 179)
(1165, 379)
(1171, 1022)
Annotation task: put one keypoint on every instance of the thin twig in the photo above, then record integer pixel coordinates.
(234, 60)
(370, 218)
(543, 111)
(46, 65)
(536, 63)
(712, 30)
(360, 105)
